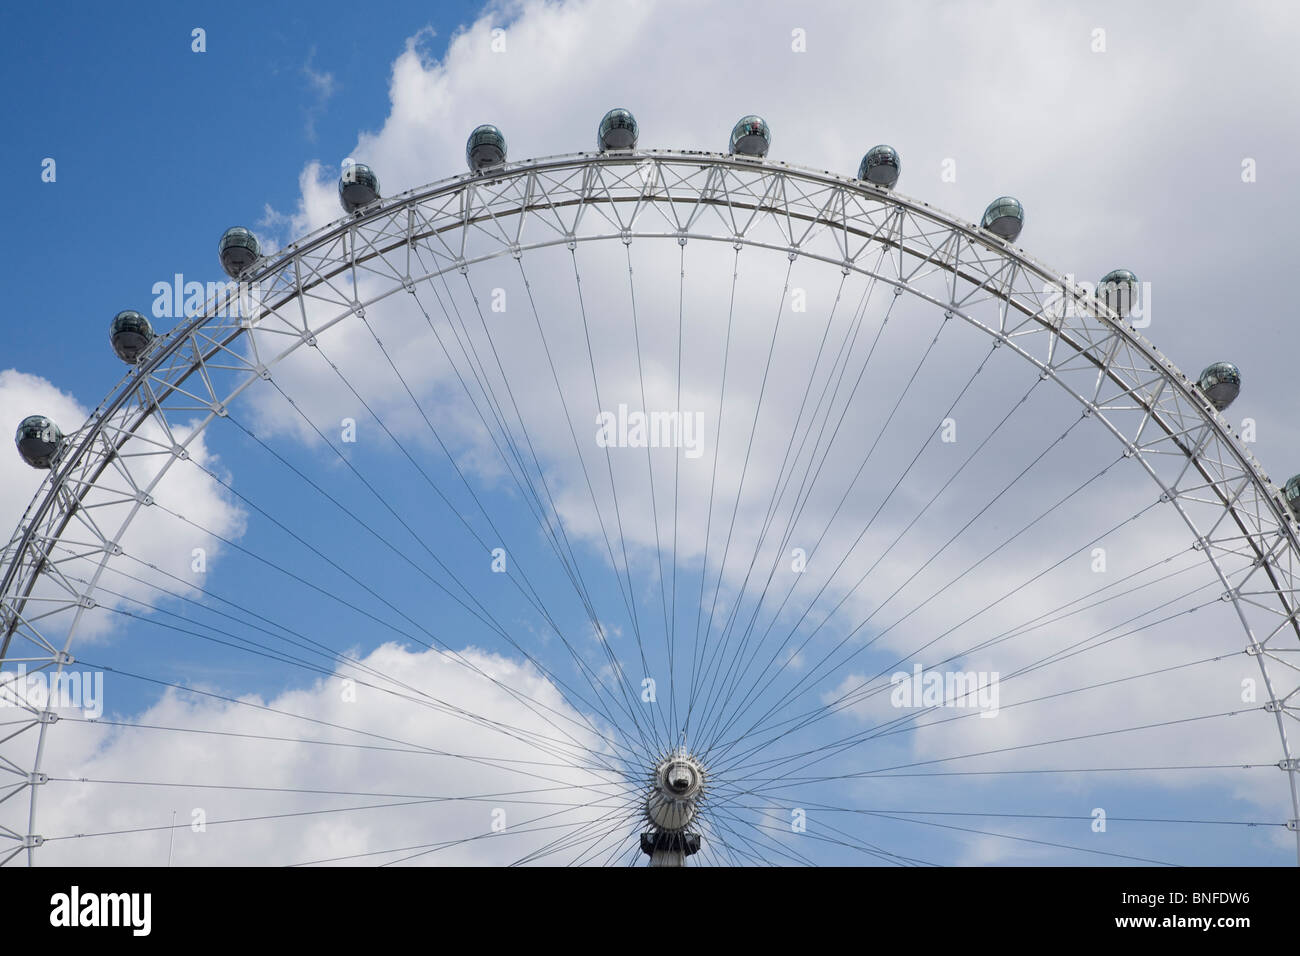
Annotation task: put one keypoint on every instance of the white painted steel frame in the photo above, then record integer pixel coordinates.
(1234, 513)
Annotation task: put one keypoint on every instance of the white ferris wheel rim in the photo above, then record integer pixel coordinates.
(687, 196)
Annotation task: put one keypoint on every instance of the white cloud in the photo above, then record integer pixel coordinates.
(957, 92)
(154, 538)
(391, 756)
(1119, 157)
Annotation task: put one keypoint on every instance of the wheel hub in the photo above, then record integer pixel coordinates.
(677, 789)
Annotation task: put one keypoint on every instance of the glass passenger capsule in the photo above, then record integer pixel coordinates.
(1292, 494)
(38, 440)
(358, 187)
(130, 334)
(1118, 290)
(750, 137)
(880, 166)
(618, 130)
(1004, 218)
(485, 147)
(1221, 383)
(238, 249)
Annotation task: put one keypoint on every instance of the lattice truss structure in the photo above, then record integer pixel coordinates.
(1233, 512)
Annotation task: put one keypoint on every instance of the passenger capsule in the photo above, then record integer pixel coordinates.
(617, 130)
(38, 441)
(239, 249)
(1004, 218)
(485, 147)
(880, 166)
(1292, 494)
(1118, 291)
(750, 137)
(358, 186)
(130, 334)
(1221, 383)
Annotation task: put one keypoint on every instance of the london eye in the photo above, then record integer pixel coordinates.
(655, 505)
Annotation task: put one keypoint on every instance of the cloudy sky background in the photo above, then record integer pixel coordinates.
(1129, 157)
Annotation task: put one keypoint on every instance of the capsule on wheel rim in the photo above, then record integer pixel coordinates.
(131, 333)
(39, 441)
(1004, 217)
(358, 187)
(617, 130)
(1221, 383)
(238, 250)
(751, 136)
(486, 147)
(880, 166)
(1118, 290)
(1292, 494)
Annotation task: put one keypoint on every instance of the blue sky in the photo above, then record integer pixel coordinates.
(162, 148)
(1129, 158)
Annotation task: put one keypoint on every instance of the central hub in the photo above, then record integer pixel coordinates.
(681, 778)
(676, 789)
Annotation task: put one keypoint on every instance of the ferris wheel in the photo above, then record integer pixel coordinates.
(662, 505)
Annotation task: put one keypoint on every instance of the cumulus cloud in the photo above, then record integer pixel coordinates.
(157, 549)
(1012, 101)
(344, 772)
